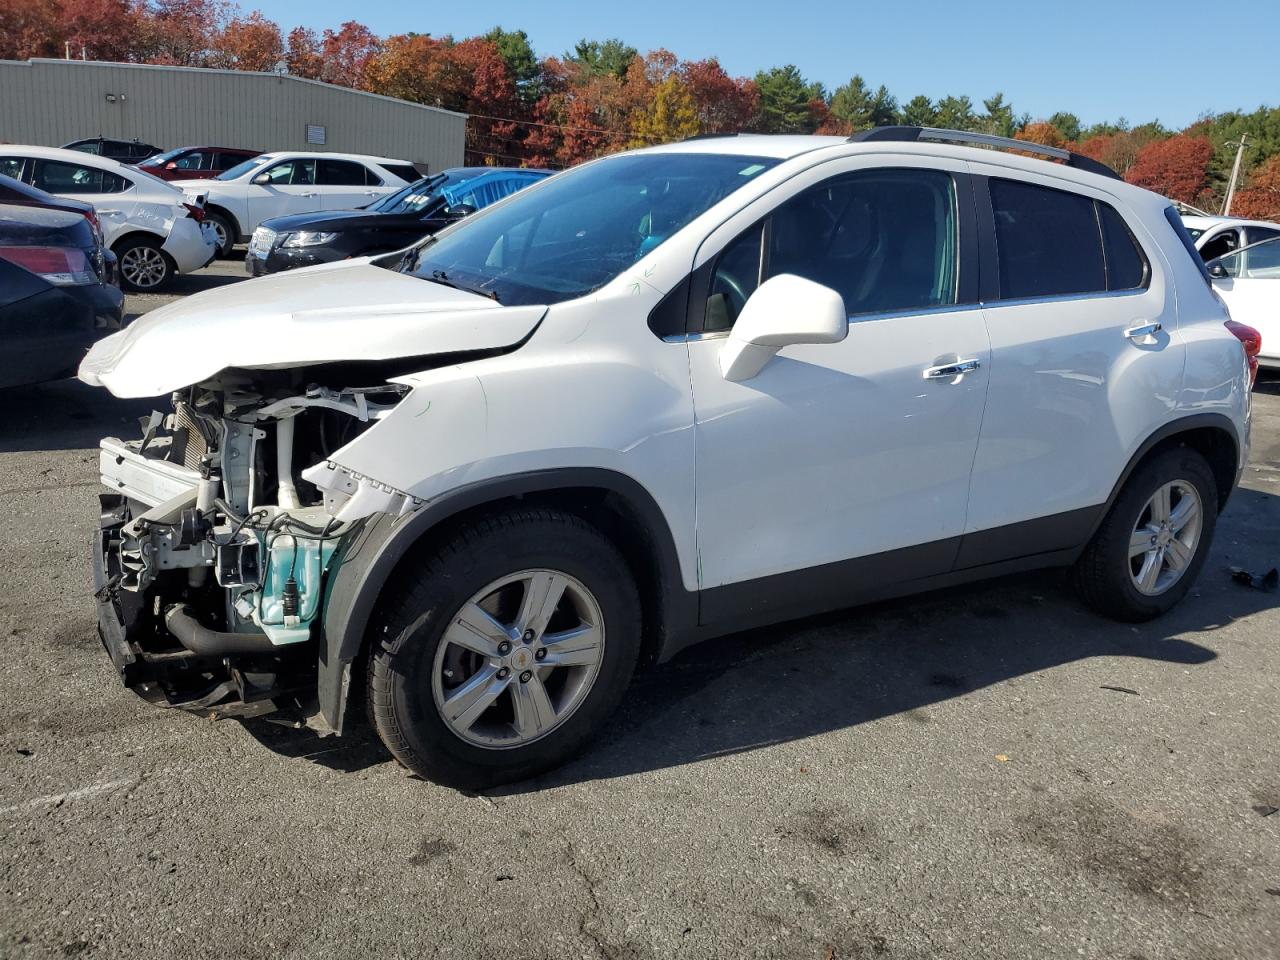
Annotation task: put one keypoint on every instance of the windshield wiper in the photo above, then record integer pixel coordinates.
(442, 278)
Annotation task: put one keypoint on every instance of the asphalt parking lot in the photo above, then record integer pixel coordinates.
(987, 772)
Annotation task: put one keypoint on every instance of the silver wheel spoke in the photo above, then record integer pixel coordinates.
(579, 647)
(1140, 542)
(474, 629)
(1187, 510)
(1150, 572)
(464, 705)
(542, 593)
(1160, 505)
(1177, 555)
(533, 712)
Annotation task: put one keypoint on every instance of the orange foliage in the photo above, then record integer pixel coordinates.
(1260, 199)
(1177, 167)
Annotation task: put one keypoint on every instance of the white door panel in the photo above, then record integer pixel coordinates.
(839, 450)
(265, 202)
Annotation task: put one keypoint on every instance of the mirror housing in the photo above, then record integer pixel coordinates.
(460, 210)
(1217, 270)
(785, 309)
(262, 179)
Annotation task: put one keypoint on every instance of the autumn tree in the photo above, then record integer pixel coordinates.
(723, 104)
(251, 43)
(1043, 133)
(1176, 167)
(670, 116)
(302, 54)
(180, 32)
(1260, 198)
(345, 53)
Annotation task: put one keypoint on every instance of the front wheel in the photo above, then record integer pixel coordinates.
(144, 267)
(1153, 542)
(225, 231)
(506, 651)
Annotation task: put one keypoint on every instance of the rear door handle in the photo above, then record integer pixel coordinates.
(1144, 330)
(948, 370)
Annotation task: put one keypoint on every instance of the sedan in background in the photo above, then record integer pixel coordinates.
(19, 194)
(55, 296)
(1248, 281)
(148, 224)
(394, 222)
(288, 182)
(124, 151)
(1218, 236)
(195, 163)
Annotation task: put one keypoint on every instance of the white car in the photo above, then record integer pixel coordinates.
(152, 227)
(289, 182)
(1217, 236)
(665, 395)
(1248, 281)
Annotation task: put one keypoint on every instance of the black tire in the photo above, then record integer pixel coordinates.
(144, 267)
(1103, 573)
(423, 603)
(227, 229)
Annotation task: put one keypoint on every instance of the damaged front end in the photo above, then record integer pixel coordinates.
(213, 548)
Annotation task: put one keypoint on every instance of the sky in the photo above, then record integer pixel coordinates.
(1137, 59)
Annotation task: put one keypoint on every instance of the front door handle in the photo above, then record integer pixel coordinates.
(1144, 330)
(948, 370)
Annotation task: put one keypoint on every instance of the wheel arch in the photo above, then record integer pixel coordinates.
(615, 503)
(230, 217)
(121, 241)
(1213, 435)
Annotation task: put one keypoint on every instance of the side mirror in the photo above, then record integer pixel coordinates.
(460, 210)
(262, 179)
(785, 309)
(171, 165)
(1218, 271)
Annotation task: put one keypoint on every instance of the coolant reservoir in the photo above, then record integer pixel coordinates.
(305, 559)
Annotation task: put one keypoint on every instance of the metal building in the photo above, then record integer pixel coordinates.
(52, 102)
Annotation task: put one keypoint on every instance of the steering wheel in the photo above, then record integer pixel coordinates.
(734, 290)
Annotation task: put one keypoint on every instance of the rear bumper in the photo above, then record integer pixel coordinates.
(190, 245)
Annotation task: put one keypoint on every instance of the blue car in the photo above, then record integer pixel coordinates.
(390, 223)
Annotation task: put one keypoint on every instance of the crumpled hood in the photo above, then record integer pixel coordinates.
(342, 311)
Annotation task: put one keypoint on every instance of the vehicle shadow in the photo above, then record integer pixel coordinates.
(65, 415)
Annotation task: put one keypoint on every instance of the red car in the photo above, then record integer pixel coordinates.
(195, 163)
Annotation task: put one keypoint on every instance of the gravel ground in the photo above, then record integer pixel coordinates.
(986, 772)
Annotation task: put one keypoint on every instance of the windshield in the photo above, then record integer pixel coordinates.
(240, 169)
(160, 159)
(577, 231)
(416, 196)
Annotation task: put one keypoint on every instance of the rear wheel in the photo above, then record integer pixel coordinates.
(506, 651)
(225, 230)
(1152, 544)
(144, 267)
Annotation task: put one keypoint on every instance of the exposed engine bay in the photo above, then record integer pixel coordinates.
(215, 544)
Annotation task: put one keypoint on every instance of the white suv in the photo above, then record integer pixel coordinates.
(665, 395)
(284, 183)
(152, 227)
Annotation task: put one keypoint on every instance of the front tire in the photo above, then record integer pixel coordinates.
(1154, 540)
(226, 232)
(505, 651)
(144, 267)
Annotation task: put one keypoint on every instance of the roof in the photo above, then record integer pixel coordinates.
(70, 156)
(1204, 223)
(79, 64)
(786, 147)
(325, 155)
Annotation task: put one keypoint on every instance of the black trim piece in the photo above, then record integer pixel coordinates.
(1066, 532)
(989, 253)
(968, 256)
(901, 134)
(668, 318)
(370, 557)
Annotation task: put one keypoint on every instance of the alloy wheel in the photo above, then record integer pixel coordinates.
(1165, 538)
(143, 267)
(518, 658)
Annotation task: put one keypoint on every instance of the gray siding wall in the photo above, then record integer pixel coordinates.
(52, 102)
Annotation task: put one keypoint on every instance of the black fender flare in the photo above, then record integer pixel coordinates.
(369, 558)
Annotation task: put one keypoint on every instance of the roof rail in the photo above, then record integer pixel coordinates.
(913, 134)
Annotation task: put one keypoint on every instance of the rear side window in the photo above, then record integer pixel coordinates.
(69, 178)
(1047, 240)
(11, 167)
(1127, 268)
(342, 173)
(404, 171)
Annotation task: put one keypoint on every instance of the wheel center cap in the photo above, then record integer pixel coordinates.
(521, 658)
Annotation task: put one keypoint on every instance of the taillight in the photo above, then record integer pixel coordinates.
(61, 266)
(194, 212)
(92, 217)
(1252, 341)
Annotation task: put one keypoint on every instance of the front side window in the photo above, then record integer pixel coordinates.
(1258, 262)
(885, 240)
(1258, 234)
(583, 228)
(11, 167)
(55, 176)
(1220, 245)
(292, 173)
(193, 161)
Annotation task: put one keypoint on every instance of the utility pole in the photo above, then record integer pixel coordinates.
(1235, 175)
